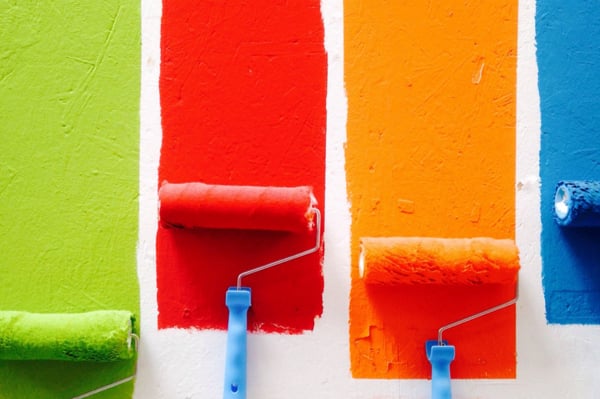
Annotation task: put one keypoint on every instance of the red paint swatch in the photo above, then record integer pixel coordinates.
(243, 89)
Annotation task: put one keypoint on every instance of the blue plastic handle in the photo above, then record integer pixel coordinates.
(440, 357)
(238, 302)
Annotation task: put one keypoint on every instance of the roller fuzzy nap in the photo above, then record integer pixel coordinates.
(217, 206)
(99, 336)
(577, 204)
(422, 260)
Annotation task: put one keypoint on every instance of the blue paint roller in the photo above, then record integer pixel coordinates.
(577, 204)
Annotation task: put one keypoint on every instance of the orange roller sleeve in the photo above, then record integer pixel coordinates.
(421, 260)
(200, 205)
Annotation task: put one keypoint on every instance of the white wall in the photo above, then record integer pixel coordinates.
(553, 361)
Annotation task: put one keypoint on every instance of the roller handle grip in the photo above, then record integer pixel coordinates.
(440, 357)
(238, 302)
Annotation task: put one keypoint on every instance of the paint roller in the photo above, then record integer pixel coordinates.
(577, 204)
(96, 336)
(393, 261)
(199, 205)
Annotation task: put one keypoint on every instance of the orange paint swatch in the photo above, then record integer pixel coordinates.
(430, 152)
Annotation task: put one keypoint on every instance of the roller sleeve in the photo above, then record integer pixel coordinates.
(99, 336)
(200, 205)
(423, 260)
(577, 204)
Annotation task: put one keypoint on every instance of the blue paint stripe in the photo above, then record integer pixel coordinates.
(568, 57)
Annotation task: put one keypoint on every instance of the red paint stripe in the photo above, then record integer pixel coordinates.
(243, 102)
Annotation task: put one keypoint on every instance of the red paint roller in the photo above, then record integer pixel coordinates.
(441, 261)
(200, 205)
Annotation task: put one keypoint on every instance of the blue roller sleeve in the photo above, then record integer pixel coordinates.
(577, 204)
(238, 302)
(440, 357)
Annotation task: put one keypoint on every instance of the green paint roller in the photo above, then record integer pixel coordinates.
(97, 336)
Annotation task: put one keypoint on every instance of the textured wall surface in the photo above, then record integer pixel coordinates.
(70, 83)
(568, 57)
(242, 103)
(69, 95)
(431, 152)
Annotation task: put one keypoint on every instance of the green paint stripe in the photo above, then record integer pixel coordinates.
(69, 95)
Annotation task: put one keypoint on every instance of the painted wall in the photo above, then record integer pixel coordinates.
(552, 361)
(430, 153)
(567, 55)
(92, 57)
(69, 95)
(243, 103)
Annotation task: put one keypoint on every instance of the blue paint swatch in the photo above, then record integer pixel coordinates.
(568, 58)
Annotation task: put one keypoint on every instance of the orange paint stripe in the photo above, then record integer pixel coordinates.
(430, 152)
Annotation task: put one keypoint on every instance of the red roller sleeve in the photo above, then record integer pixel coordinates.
(200, 205)
(419, 260)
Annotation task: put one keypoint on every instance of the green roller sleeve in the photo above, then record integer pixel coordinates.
(98, 336)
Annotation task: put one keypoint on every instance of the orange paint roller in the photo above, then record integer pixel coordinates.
(199, 205)
(441, 261)
(419, 260)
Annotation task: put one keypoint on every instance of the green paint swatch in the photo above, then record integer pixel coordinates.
(69, 138)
